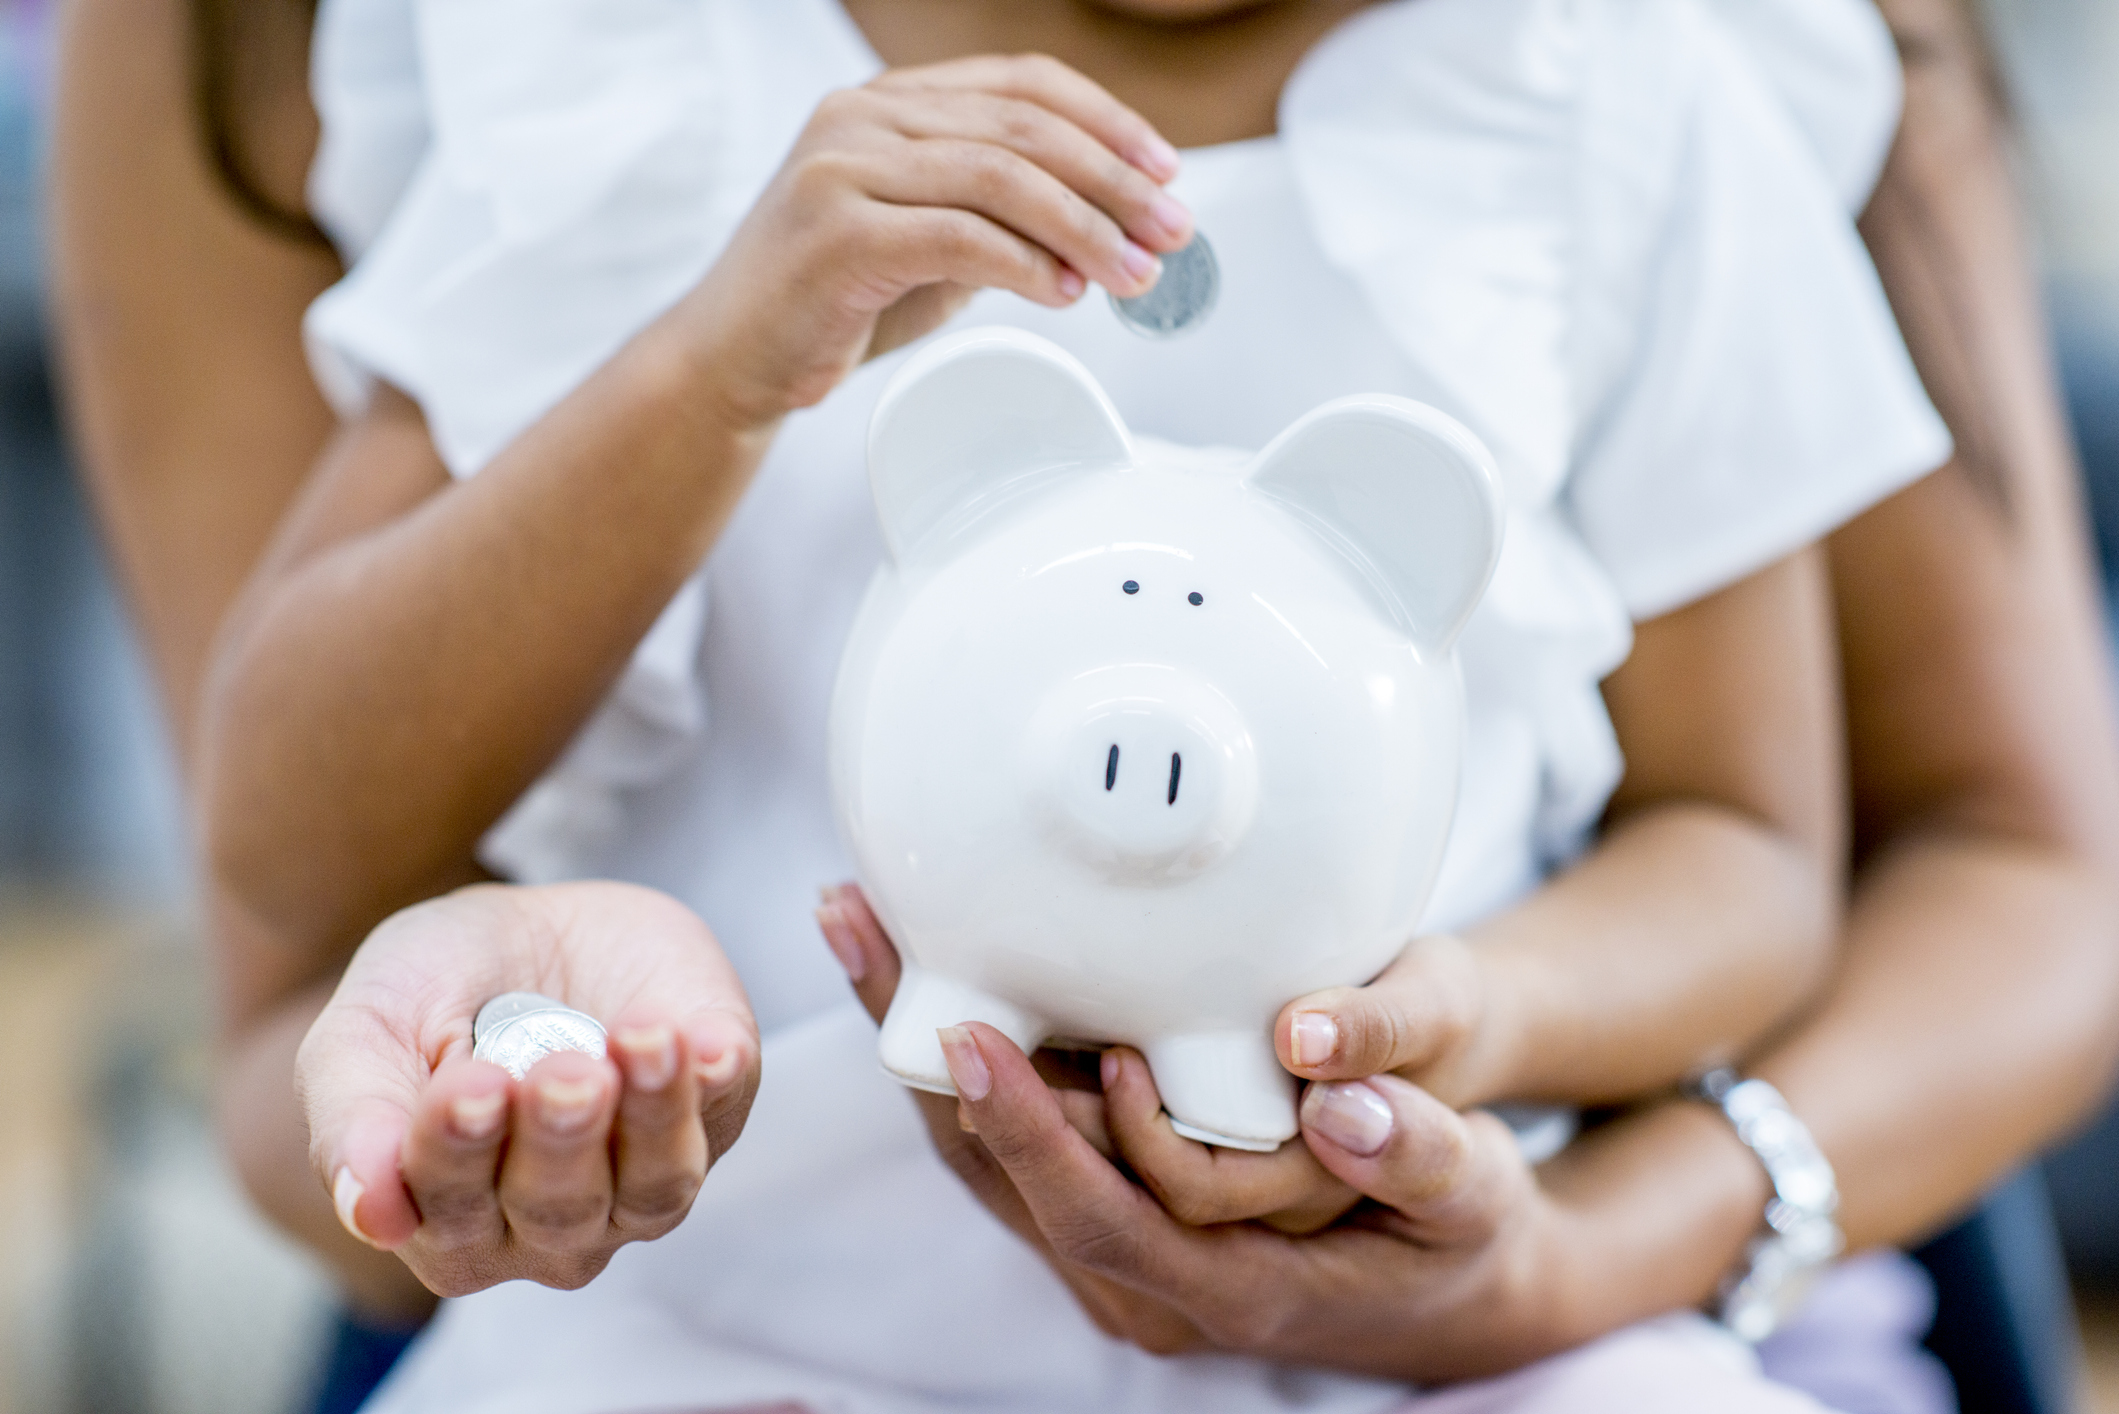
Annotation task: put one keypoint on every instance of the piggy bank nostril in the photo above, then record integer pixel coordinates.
(1177, 764)
(1111, 767)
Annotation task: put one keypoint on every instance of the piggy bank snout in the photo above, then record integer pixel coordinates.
(1144, 772)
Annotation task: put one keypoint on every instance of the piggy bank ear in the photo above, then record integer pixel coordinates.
(1406, 494)
(971, 417)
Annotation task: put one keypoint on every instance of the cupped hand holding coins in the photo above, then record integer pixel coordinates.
(474, 1175)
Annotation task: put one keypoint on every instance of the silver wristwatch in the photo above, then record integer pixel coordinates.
(1801, 1236)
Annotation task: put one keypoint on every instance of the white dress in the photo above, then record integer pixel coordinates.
(1600, 232)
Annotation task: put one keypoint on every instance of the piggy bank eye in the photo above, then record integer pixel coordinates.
(1131, 586)
(1195, 597)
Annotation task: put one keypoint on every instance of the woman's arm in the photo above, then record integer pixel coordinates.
(176, 319)
(1979, 1000)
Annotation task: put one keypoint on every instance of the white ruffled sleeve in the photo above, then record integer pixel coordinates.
(569, 192)
(1767, 396)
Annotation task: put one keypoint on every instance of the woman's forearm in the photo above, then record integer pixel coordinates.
(414, 651)
(1972, 1024)
(1931, 1070)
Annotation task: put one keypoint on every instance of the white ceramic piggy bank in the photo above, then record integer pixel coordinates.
(1137, 744)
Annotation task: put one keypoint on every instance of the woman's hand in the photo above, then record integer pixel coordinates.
(904, 196)
(1453, 1261)
(473, 1178)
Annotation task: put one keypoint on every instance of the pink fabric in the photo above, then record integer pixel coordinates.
(1854, 1348)
(1855, 1344)
(1675, 1365)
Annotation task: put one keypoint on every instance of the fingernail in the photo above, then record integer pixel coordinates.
(1157, 158)
(566, 1105)
(1138, 263)
(476, 1117)
(838, 936)
(1169, 213)
(966, 1066)
(1071, 284)
(718, 1061)
(1349, 1114)
(1312, 1038)
(1108, 1069)
(346, 1191)
(652, 1051)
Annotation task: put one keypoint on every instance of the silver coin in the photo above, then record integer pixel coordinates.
(1180, 299)
(516, 1030)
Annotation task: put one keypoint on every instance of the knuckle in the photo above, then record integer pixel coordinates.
(817, 176)
(559, 1216)
(1190, 1206)
(452, 1209)
(574, 1273)
(659, 1203)
(1254, 1319)
(990, 172)
(1094, 1242)
(452, 1285)
(1021, 125)
(1036, 71)
(957, 239)
(843, 105)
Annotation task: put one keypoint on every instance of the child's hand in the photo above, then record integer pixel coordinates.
(903, 197)
(1438, 1016)
(473, 1178)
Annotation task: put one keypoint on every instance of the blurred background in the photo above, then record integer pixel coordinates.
(133, 1278)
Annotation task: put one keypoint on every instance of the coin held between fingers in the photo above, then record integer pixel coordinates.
(516, 1030)
(1181, 299)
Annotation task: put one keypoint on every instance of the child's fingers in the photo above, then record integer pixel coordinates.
(1135, 201)
(1424, 1008)
(452, 1155)
(659, 1150)
(1200, 1184)
(722, 1046)
(1039, 79)
(357, 1159)
(555, 1184)
(1013, 193)
(1449, 1177)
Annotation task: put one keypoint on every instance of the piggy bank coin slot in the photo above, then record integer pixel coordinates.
(1177, 765)
(1111, 767)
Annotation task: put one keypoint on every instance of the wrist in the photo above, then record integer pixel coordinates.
(1497, 1056)
(692, 365)
(1656, 1207)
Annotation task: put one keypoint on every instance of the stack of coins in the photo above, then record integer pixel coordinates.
(518, 1029)
(1181, 297)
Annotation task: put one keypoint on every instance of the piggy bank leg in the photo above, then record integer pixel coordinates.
(925, 1003)
(1225, 1088)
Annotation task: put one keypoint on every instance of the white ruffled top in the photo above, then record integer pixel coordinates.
(1612, 236)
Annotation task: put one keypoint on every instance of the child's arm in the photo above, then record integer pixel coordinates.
(414, 651)
(1702, 917)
